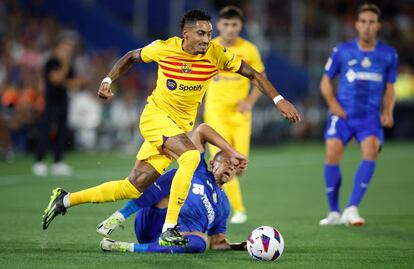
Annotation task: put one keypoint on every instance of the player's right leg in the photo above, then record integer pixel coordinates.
(142, 175)
(332, 174)
(337, 135)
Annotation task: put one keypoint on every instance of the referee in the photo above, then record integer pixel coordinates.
(58, 76)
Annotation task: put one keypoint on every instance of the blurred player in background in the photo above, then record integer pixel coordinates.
(205, 210)
(185, 67)
(59, 76)
(362, 107)
(228, 107)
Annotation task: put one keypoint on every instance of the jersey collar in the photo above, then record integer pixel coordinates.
(361, 50)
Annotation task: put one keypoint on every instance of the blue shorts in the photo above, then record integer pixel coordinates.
(149, 222)
(359, 128)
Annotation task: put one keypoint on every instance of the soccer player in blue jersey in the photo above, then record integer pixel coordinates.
(361, 108)
(205, 211)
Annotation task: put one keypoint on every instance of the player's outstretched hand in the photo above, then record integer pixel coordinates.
(337, 110)
(105, 91)
(240, 161)
(288, 110)
(387, 120)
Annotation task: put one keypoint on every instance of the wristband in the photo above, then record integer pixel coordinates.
(107, 80)
(277, 99)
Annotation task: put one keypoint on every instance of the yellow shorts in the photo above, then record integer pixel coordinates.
(156, 126)
(234, 127)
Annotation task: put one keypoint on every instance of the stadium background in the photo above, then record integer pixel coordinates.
(295, 38)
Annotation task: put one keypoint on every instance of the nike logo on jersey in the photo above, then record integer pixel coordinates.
(352, 62)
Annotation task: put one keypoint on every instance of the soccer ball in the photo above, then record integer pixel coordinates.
(265, 243)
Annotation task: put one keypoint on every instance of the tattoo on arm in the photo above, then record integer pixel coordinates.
(259, 80)
(124, 63)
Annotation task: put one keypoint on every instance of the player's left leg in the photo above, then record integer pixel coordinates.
(369, 149)
(240, 131)
(188, 160)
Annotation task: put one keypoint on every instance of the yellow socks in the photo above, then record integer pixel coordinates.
(233, 192)
(188, 163)
(106, 192)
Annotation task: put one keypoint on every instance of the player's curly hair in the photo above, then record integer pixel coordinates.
(192, 16)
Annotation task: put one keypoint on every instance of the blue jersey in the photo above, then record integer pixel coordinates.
(206, 208)
(362, 77)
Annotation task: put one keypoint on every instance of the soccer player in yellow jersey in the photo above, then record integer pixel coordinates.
(228, 104)
(185, 66)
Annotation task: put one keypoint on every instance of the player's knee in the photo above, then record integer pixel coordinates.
(189, 158)
(142, 178)
(370, 154)
(196, 244)
(333, 157)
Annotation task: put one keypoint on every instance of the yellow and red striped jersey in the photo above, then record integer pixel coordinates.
(183, 78)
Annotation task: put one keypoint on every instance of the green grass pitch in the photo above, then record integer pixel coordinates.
(283, 187)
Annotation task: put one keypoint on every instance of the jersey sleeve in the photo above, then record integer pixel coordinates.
(150, 52)
(221, 226)
(227, 61)
(256, 61)
(392, 69)
(333, 64)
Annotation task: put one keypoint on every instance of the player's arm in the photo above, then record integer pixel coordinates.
(122, 65)
(388, 102)
(205, 134)
(248, 104)
(263, 84)
(329, 96)
(220, 242)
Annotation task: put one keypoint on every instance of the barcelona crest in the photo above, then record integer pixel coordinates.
(186, 68)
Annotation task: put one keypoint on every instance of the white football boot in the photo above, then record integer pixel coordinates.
(238, 218)
(39, 169)
(61, 169)
(112, 245)
(333, 218)
(351, 216)
(106, 227)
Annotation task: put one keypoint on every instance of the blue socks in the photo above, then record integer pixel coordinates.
(129, 208)
(362, 178)
(332, 183)
(196, 244)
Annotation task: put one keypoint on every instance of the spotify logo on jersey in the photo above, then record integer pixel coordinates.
(171, 84)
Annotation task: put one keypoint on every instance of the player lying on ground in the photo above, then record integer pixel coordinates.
(185, 67)
(367, 70)
(205, 210)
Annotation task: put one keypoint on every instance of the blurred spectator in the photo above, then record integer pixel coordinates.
(84, 117)
(124, 116)
(59, 76)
